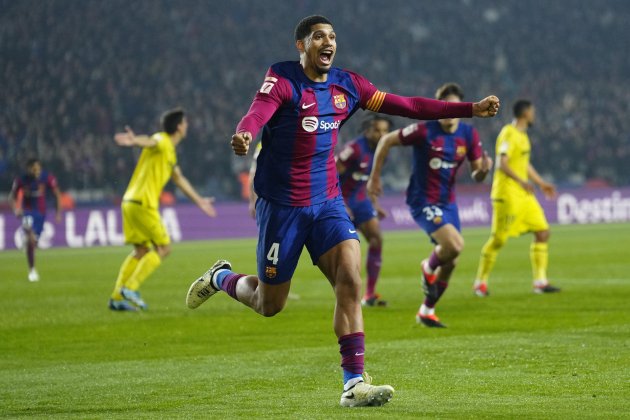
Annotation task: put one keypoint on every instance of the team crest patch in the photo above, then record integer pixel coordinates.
(340, 101)
(437, 220)
(271, 272)
(461, 150)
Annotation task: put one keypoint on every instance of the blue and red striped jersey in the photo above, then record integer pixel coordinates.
(296, 165)
(34, 190)
(357, 157)
(436, 157)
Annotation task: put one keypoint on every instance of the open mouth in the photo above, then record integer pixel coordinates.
(325, 57)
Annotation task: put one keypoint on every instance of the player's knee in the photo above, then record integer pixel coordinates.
(542, 236)
(269, 309)
(497, 242)
(376, 241)
(164, 251)
(453, 247)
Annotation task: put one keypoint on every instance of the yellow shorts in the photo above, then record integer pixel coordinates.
(142, 225)
(516, 216)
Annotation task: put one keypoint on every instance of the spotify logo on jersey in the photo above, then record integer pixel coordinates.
(309, 124)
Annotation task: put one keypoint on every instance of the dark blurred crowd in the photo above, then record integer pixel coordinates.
(73, 72)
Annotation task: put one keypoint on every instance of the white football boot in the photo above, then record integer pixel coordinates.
(204, 287)
(363, 394)
(33, 275)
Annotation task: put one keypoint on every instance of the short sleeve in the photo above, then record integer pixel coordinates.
(505, 145)
(475, 149)
(160, 142)
(51, 182)
(413, 134)
(16, 187)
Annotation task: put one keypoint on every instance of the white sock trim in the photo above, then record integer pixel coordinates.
(352, 382)
(426, 311)
(214, 277)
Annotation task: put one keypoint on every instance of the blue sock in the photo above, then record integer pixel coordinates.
(221, 276)
(349, 375)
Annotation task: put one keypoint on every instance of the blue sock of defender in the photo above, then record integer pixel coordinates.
(220, 277)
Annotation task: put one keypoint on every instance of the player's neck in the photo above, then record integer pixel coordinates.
(176, 138)
(450, 129)
(521, 125)
(312, 73)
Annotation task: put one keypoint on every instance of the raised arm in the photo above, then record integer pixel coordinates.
(205, 204)
(274, 91)
(418, 107)
(389, 140)
(129, 139)
(547, 188)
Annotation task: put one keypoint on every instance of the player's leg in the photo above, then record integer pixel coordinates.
(33, 225)
(450, 244)
(371, 230)
(334, 247)
(502, 220)
(282, 231)
(539, 250)
(117, 301)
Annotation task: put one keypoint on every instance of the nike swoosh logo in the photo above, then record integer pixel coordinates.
(352, 231)
(304, 106)
(359, 354)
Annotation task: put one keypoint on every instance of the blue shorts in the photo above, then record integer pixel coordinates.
(362, 211)
(284, 230)
(431, 217)
(33, 221)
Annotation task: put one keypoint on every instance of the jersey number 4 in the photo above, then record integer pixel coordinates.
(273, 253)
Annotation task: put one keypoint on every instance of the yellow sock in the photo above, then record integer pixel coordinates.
(126, 270)
(488, 258)
(146, 266)
(539, 255)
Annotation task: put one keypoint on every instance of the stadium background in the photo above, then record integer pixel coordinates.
(73, 72)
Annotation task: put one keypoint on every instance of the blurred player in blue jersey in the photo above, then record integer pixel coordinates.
(439, 149)
(300, 107)
(354, 164)
(28, 200)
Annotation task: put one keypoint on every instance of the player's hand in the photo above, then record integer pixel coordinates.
(487, 107)
(381, 213)
(486, 162)
(240, 143)
(18, 212)
(207, 207)
(125, 139)
(549, 190)
(374, 187)
(527, 187)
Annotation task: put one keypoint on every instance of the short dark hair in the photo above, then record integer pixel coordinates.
(171, 119)
(373, 117)
(448, 89)
(303, 28)
(32, 161)
(521, 106)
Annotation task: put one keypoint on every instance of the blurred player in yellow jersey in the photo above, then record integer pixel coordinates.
(515, 208)
(142, 225)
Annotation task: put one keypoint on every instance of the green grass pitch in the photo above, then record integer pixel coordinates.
(515, 354)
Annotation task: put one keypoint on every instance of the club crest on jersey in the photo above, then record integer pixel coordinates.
(271, 272)
(437, 220)
(461, 150)
(340, 101)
